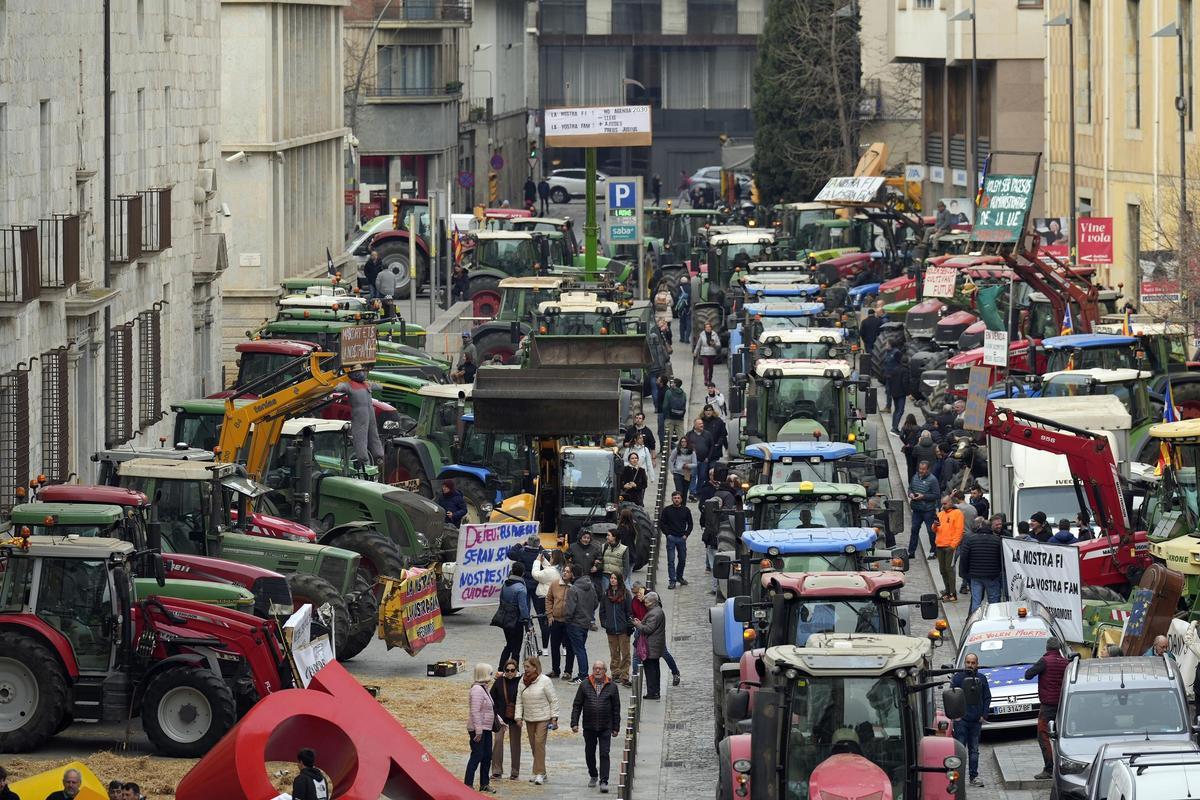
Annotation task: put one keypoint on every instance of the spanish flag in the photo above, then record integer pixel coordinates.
(1170, 414)
(1068, 327)
(456, 246)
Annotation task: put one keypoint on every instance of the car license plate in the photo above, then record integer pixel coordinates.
(1019, 708)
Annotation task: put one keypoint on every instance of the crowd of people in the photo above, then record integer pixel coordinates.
(72, 783)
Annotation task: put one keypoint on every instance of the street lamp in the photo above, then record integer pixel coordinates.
(968, 15)
(1174, 31)
(1065, 21)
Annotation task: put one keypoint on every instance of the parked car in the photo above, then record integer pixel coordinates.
(1154, 776)
(355, 248)
(711, 176)
(1108, 756)
(568, 183)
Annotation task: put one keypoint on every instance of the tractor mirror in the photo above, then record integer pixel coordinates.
(900, 559)
(872, 402)
(954, 703)
(751, 425)
(895, 510)
(972, 689)
(160, 569)
(154, 536)
(721, 569)
(929, 606)
(742, 609)
(881, 468)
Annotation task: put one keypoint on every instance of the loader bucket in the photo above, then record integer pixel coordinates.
(615, 351)
(547, 401)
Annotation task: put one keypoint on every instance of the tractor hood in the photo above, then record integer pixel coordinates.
(850, 777)
(278, 528)
(547, 401)
(802, 429)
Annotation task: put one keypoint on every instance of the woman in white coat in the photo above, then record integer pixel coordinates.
(537, 705)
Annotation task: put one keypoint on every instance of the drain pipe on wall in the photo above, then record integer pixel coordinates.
(106, 190)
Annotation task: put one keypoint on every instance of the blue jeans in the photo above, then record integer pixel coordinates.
(481, 757)
(676, 549)
(993, 588)
(667, 657)
(699, 475)
(897, 411)
(577, 641)
(968, 734)
(919, 518)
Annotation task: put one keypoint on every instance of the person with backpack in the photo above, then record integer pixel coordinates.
(663, 303)
(896, 384)
(512, 617)
(675, 406)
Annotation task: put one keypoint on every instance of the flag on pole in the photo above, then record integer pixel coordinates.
(1068, 326)
(1127, 323)
(979, 189)
(456, 246)
(329, 262)
(1170, 414)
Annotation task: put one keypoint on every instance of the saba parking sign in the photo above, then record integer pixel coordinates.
(1095, 238)
(622, 194)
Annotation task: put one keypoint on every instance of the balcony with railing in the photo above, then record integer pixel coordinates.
(125, 246)
(427, 12)
(156, 219)
(19, 279)
(441, 93)
(58, 247)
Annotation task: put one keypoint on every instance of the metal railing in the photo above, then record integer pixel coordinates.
(156, 219)
(58, 246)
(19, 264)
(56, 416)
(413, 91)
(150, 408)
(126, 244)
(118, 426)
(633, 719)
(422, 11)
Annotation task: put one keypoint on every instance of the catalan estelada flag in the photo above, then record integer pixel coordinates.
(1068, 326)
(456, 244)
(1170, 414)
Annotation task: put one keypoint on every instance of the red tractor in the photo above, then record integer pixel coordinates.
(76, 646)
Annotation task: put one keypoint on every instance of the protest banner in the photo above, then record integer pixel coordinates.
(483, 560)
(939, 281)
(1048, 574)
(411, 615)
(309, 654)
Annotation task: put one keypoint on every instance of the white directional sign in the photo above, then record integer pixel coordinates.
(598, 126)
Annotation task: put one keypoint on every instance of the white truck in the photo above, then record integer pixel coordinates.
(1023, 480)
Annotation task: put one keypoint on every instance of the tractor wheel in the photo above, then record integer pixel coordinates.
(484, 293)
(495, 343)
(704, 315)
(476, 495)
(937, 398)
(186, 711)
(366, 622)
(33, 693)
(380, 556)
(407, 471)
(644, 528)
(1101, 593)
(318, 591)
(395, 253)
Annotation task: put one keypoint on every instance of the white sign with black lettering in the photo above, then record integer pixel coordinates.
(995, 348)
(939, 281)
(1048, 574)
(850, 190)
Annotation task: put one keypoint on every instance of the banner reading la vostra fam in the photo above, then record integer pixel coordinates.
(1048, 574)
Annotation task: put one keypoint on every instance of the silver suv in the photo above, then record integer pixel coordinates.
(1111, 700)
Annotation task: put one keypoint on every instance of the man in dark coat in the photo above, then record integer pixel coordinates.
(599, 704)
(701, 443)
(543, 189)
(530, 193)
(1049, 671)
(981, 563)
(868, 331)
(639, 427)
(896, 385)
(967, 729)
(715, 427)
(453, 503)
(371, 270)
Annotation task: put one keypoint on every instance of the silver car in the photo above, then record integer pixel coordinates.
(1102, 765)
(1110, 700)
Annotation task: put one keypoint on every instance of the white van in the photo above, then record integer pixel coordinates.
(1155, 775)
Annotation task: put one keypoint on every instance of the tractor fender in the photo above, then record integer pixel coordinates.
(716, 617)
(729, 750)
(171, 662)
(330, 536)
(401, 235)
(52, 638)
(488, 272)
(497, 326)
(420, 448)
(932, 752)
(482, 474)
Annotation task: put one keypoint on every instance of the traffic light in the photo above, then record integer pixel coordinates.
(533, 151)
(395, 214)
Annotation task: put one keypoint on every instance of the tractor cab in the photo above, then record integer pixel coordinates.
(797, 226)
(771, 316)
(578, 314)
(842, 549)
(803, 343)
(521, 297)
(561, 225)
(1045, 323)
(1127, 385)
(802, 401)
(79, 521)
(1166, 344)
(1088, 350)
(815, 462)
(1172, 512)
(730, 254)
(805, 505)
(684, 226)
(258, 358)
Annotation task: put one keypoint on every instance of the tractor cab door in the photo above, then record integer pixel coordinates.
(179, 507)
(76, 598)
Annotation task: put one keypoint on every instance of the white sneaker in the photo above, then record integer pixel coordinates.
(539, 779)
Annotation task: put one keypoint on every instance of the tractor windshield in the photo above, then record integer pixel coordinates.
(807, 511)
(1087, 358)
(587, 478)
(1058, 502)
(858, 716)
(578, 323)
(798, 471)
(181, 507)
(656, 225)
(201, 431)
(512, 256)
(809, 403)
(821, 562)
(776, 323)
(833, 616)
(1073, 384)
(332, 450)
(518, 304)
(108, 530)
(804, 227)
(255, 366)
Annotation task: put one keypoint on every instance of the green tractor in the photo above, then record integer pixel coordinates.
(326, 335)
(788, 401)
(728, 255)
(519, 301)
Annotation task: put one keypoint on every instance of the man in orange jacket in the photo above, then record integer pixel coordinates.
(949, 532)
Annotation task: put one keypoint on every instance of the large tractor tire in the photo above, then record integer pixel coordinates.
(645, 530)
(496, 343)
(380, 556)
(484, 293)
(407, 470)
(704, 315)
(937, 398)
(365, 620)
(395, 252)
(477, 495)
(186, 711)
(34, 697)
(318, 591)
(1101, 593)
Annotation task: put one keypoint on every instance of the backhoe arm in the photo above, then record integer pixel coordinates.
(1051, 277)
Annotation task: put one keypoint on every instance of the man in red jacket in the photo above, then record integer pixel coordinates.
(1049, 670)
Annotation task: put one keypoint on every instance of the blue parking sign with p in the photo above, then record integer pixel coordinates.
(622, 194)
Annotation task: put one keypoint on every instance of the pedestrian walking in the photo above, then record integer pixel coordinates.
(598, 706)
(481, 723)
(639, 613)
(675, 521)
(452, 502)
(386, 282)
(1049, 671)
(633, 480)
(584, 556)
(527, 555)
(710, 536)
(897, 395)
(683, 310)
(645, 458)
(639, 428)
(949, 527)
(5, 792)
(529, 190)
(675, 406)
(683, 466)
(537, 707)
(713, 397)
(924, 449)
(701, 443)
(868, 331)
(968, 511)
(923, 494)
(663, 305)
(685, 183)
(512, 617)
(656, 189)
(504, 700)
(617, 559)
(581, 604)
(616, 617)
(556, 610)
(543, 189)
(653, 641)
(460, 283)
(979, 699)
(547, 572)
(891, 363)
(910, 432)
(716, 428)
(707, 348)
(626, 529)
